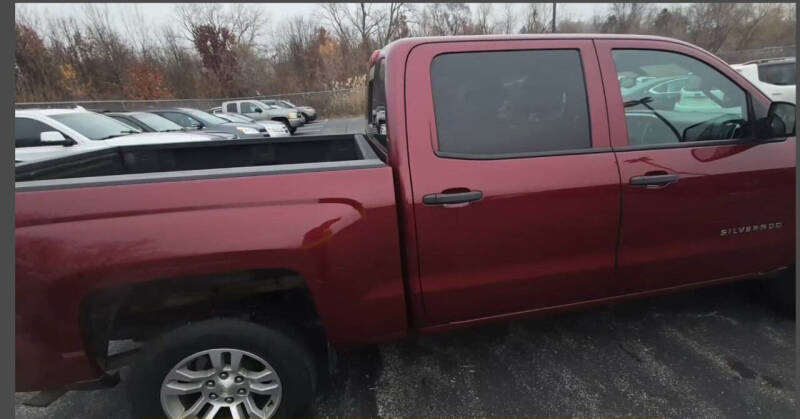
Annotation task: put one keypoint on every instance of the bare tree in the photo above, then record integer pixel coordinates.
(365, 19)
(537, 18)
(626, 17)
(391, 23)
(335, 17)
(484, 23)
(445, 19)
(244, 22)
(710, 24)
(508, 20)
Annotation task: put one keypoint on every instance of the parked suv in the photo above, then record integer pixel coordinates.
(44, 133)
(777, 77)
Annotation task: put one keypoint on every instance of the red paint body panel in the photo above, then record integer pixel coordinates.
(338, 230)
(545, 231)
(672, 236)
(551, 232)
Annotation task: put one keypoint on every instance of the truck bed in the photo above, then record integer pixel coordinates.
(201, 160)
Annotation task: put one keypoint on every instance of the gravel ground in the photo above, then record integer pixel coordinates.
(713, 353)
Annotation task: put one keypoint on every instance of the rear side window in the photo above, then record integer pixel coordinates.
(781, 74)
(27, 132)
(231, 107)
(510, 103)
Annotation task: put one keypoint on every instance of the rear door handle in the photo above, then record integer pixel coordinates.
(654, 181)
(451, 198)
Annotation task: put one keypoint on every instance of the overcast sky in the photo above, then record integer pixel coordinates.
(162, 13)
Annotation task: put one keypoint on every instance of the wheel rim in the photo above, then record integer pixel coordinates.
(225, 382)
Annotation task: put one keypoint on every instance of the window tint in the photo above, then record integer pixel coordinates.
(248, 107)
(205, 117)
(181, 119)
(692, 100)
(156, 122)
(509, 102)
(27, 132)
(95, 126)
(231, 107)
(781, 74)
(126, 121)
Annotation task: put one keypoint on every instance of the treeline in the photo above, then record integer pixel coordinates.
(229, 50)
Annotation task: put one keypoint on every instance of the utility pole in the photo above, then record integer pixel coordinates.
(553, 28)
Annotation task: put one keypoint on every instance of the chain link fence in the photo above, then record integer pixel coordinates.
(328, 103)
(740, 56)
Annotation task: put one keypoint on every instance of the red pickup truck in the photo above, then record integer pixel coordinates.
(500, 177)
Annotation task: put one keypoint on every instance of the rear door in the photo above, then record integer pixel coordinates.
(701, 200)
(516, 192)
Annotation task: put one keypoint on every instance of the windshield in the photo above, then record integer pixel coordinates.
(156, 122)
(287, 104)
(94, 126)
(205, 117)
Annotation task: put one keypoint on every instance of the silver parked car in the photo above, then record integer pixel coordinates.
(274, 128)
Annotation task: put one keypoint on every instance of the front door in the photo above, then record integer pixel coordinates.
(701, 200)
(515, 190)
(28, 144)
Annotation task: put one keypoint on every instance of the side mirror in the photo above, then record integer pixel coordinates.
(779, 122)
(54, 138)
(258, 110)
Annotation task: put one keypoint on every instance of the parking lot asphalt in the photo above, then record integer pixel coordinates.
(710, 353)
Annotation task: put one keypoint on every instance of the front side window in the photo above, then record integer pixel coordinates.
(95, 126)
(27, 132)
(510, 103)
(249, 107)
(685, 100)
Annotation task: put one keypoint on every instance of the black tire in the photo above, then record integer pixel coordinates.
(779, 292)
(289, 357)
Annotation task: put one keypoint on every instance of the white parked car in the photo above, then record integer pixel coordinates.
(45, 133)
(274, 128)
(776, 77)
